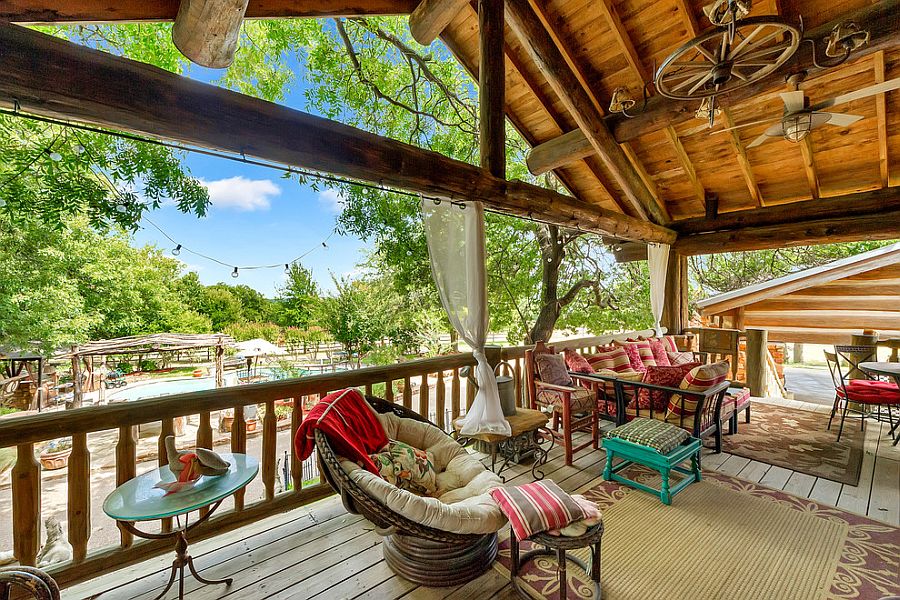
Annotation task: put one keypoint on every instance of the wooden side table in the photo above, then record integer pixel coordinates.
(139, 499)
(556, 545)
(529, 434)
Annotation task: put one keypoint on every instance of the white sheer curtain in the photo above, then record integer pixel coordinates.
(658, 257)
(456, 247)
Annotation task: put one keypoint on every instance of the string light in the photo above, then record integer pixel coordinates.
(235, 273)
(287, 269)
(177, 250)
(55, 156)
(241, 158)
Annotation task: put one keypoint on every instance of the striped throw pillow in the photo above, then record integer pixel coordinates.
(669, 341)
(658, 347)
(680, 358)
(699, 379)
(614, 360)
(634, 355)
(536, 507)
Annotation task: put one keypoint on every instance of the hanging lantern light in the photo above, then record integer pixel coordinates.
(235, 273)
(621, 101)
(797, 126)
(177, 250)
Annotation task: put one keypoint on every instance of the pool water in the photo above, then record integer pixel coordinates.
(155, 389)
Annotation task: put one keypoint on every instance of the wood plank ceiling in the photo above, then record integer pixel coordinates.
(617, 43)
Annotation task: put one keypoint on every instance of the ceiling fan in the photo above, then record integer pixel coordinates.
(800, 118)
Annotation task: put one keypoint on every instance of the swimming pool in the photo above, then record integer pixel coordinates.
(155, 389)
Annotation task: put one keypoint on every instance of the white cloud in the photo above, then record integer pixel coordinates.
(240, 193)
(332, 199)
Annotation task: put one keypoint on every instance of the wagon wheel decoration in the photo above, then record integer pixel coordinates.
(727, 58)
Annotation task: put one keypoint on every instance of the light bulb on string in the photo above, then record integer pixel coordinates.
(55, 156)
(324, 245)
(287, 269)
(177, 250)
(235, 273)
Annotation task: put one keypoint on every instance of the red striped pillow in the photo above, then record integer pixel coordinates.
(576, 362)
(671, 346)
(536, 507)
(658, 347)
(699, 379)
(614, 360)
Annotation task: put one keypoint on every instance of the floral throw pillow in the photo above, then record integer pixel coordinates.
(407, 468)
(552, 369)
(664, 376)
(576, 362)
(658, 348)
(634, 357)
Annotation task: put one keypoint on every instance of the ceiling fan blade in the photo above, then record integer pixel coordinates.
(841, 119)
(741, 126)
(793, 101)
(760, 140)
(878, 88)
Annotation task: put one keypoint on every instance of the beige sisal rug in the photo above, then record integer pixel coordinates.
(724, 538)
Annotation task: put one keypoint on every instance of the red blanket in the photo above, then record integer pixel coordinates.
(350, 424)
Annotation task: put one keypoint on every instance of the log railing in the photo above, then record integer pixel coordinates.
(442, 403)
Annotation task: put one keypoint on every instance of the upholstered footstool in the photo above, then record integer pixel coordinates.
(556, 545)
(655, 444)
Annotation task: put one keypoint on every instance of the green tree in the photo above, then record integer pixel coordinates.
(355, 317)
(298, 297)
(222, 306)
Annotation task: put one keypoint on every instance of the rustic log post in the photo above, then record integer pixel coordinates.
(126, 468)
(26, 505)
(220, 364)
(861, 339)
(77, 392)
(431, 17)
(296, 463)
(166, 428)
(675, 307)
(440, 401)
(239, 446)
(492, 87)
(79, 492)
(424, 397)
(207, 31)
(268, 449)
(757, 349)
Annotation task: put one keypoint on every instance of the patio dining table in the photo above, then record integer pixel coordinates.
(885, 369)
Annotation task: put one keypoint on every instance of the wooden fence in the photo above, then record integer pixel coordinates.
(27, 432)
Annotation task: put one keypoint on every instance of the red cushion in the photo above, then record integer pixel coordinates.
(576, 362)
(634, 357)
(658, 347)
(867, 391)
(665, 376)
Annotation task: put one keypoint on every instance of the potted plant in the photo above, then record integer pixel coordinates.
(55, 454)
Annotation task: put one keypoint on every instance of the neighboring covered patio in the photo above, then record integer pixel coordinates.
(640, 171)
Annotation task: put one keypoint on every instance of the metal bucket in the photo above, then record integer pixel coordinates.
(506, 386)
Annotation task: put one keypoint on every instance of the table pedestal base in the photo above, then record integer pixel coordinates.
(182, 560)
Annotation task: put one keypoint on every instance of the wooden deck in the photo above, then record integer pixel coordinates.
(322, 552)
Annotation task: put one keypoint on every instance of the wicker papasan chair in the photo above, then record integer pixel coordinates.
(444, 540)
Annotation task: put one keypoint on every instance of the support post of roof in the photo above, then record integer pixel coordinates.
(675, 315)
(492, 87)
(756, 365)
(430, 18)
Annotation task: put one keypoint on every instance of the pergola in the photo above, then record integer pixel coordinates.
(145, 344)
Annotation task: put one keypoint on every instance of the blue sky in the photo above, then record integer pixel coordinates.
(256, 217)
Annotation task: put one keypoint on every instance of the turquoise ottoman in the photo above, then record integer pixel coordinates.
(655, 444)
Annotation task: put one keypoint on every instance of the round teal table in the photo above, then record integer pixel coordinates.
(139, 500)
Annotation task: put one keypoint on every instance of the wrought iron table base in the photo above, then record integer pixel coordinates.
(182, 557)
(557, 546)
(511, 450)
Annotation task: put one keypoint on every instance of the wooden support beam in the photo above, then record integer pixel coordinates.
(207, 31)
(688, 18)
(517, 63)
(53, 77)
(540, 47)
(625, 252)
(882, 226)
(608, 9)
(559, 152)
(882, 20)
(837, 207)
(881, 114)
(809, 166)
(431, 17)
(686, 165)
(492, 87)
(35, 12)
(629, 206)
(757, 364)
(743, 160)
(676, 316)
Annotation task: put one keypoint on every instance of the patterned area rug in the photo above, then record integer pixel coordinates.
(798, 439)
(724, 538)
